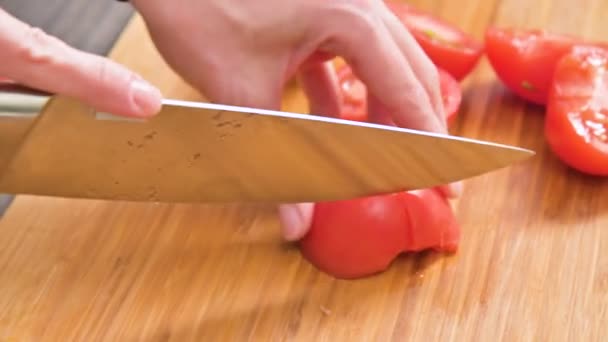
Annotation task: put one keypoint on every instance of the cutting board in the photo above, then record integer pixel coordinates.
(533, 263)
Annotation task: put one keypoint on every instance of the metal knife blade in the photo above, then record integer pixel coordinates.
(203, 152)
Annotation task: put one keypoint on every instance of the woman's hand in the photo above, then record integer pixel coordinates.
(30, 57)
(243, 52)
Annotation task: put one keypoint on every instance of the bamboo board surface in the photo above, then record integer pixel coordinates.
(532, 264)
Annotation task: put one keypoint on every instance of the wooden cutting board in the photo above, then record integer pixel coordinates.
(532, 264)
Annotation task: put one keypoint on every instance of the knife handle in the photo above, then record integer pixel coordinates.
(19, 99)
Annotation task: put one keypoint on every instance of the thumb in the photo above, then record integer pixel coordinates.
(35, 59)
(295, 219)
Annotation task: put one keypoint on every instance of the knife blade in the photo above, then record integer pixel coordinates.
(205, 152)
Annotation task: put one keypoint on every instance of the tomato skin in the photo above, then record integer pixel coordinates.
(451, 95)
(449, 47)
(576, 123)
(432, 223)
(525, 59)
(354, 106)
(362, 237)
(356, 238)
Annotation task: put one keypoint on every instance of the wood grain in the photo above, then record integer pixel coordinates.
(532, 265)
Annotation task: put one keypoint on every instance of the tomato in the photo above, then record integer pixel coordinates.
(576, 125)
(355, 95)
(354, 238)
(524, 60)
(451, 95)
(432, 223)
(361, 237)
(449, 47)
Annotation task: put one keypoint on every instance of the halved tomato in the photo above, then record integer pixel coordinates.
(355, 95)
(448, 46)
(524, 60)
(576, 124)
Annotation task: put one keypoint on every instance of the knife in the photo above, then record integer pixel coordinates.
(52, 145)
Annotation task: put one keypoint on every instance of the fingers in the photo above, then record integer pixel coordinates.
(370, 49)
(295, 219)
(379, 114)
(35, 59)
(403, 83)
(427, 74)
(424, 69)
(320, 85)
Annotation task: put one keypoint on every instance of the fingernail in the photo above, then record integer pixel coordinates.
(455, 189)
(146, 97)
(291, 221)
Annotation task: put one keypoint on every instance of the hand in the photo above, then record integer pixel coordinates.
(32, 58)
(243, 52)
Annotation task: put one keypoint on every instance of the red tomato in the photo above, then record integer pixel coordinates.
(361, 237)
(355, 238)
(524, 60)
(576, 125)
(355, 95)
(451, 95)
(354, 106)
(449, 47)
(432, 223)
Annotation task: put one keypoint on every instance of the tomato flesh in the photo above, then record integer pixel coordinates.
(449, 47)
(354, 105)
(354, 94)
(576, 126)
(451, 95)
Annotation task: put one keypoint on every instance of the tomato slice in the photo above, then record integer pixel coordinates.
(524, 59)
(448, 46)
(576, 125)
(361, 237)
(354, 106)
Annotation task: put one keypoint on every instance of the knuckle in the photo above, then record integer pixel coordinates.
(409, 97)
(111, 74)
(359, 16)
(37, 47)
(432, 76)
(103, 70)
